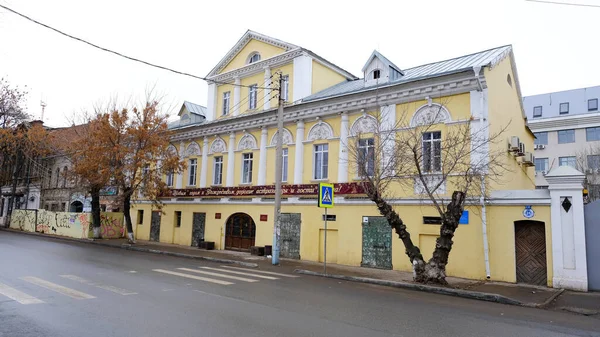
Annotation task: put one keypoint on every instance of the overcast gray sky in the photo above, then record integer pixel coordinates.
(556, 47)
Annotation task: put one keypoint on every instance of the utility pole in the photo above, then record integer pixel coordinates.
(278, 173)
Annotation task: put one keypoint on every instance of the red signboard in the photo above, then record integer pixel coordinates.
(264, 217)
(217, 215)
(261, 191)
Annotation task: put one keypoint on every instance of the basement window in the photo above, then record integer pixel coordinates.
(432, 220)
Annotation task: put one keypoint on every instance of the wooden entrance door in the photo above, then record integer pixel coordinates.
(240, 232)
(198, 228)
(155, 226)
(376, 243)
(530, 246)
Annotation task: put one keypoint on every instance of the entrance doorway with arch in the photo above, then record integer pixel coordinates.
(76, 207)
(530, 252)
(240, 232)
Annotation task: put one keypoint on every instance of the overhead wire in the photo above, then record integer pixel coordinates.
(564, 3)
(118, 53)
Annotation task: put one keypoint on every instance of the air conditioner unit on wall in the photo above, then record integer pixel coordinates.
(539, 147)
(528, 159)
(521, 151)
(513, 144)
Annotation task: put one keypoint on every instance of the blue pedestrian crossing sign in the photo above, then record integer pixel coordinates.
(325, 195)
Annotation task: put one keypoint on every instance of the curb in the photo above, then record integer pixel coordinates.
(420, 287)
(138, 249)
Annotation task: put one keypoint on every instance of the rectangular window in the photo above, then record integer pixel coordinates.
(593, 104)
(537, 111)
(145, 171)
(252, 96)
(564, 108)
(247, 168)
(2, 207)
(432, 151)
(286, 87)
(140, 217)
(541, 138)
(432, 220)
(226, 96)
(592, 134)
(541, 164)
(170, 179)
(218, 171)
(284, 166)
(567, 161)
(366, 156)
(593, 162)
(321, 161)
(177, 218)
(566, 136)
(192, 172)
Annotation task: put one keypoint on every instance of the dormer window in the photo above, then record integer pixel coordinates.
(254, 57)
(376, 74)
(185, 119)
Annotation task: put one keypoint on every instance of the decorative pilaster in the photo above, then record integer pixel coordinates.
(230, 160)
(299, 160)
(267, 92)
(343, 157)
(179, 183)
(236, 96)
(211, 104)
(262, 163)
(204, 168)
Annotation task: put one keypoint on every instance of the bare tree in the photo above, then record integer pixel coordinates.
(588, 162)
(396, 156)
(12, 105)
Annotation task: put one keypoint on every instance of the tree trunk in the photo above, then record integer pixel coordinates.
(413, 252)
(96, 221)
(435, 269)
(127, 214)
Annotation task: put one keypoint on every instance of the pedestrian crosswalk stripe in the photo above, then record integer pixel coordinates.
(58, 288)
(206, 279)
(242, 273)
(219, 275)
(117, 290)
(17, 295)
(261, 271)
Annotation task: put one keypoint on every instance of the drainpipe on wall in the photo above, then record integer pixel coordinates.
(486, 249)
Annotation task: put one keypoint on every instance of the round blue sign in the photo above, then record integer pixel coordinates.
(528, 212)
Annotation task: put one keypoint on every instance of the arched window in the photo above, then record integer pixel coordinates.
(57, 176)
(65, 171)
(254, 57)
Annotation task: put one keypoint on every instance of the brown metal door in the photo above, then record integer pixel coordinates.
(530, 246)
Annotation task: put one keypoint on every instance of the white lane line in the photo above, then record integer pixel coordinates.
(17, 295)
(219, 275)
(58, 288)
(117, 290)
(206, 279)
(261, 271)
(242, 273)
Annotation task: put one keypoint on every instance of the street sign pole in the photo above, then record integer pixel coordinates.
(325, 246)
(325, 200)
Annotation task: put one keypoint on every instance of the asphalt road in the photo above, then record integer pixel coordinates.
(56, 288)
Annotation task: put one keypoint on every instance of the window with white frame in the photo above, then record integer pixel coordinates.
(226, 99)
(366, 156)
(193, 166)
(254, 58)
(321, 161)
(284, 166)
(170, 179)
(541, 164)
(567, 161)
(285, 91)
(252, 96)
(432, 152)
(247, 168)
(541, 138)
(145, 172)
(566, 136)
(537, 111)
(218, 171)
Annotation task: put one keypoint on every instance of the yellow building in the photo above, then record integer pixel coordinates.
(226, 196)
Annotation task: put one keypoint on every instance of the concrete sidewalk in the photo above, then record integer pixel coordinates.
(507, 293)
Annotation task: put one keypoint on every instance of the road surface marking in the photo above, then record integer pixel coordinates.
(219, 275)
(117, 290)
(133, 271)
(242, 273)
(18, 296)
(226, 283)
(261, 271)
(58, 288)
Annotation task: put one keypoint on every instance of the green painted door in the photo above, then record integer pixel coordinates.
(376, 243)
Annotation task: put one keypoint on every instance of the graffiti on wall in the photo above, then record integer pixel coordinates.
(75, 225)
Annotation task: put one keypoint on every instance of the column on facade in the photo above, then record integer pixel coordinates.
(267, 92)
(230, 160)
(179, 182)
(299, 159)
(262, 163)
(236, 96)
(388, 123)
(343, 156)
(568, 228)
(204, 168)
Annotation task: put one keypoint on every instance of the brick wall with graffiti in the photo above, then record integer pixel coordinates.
(75, 225)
